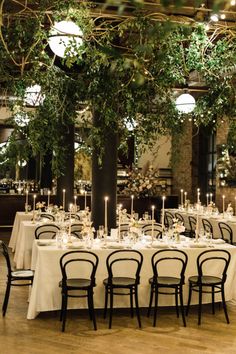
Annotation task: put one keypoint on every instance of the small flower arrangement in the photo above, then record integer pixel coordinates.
(134, 226)
(178, 226)
(230, 210)
(40, 205)
(87, 228)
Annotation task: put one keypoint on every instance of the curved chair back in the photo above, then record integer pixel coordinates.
(180, 217)
(76, 229)
(192, 224)
(169, 263)
(207, 226)
(157, 230)
(46, 231)
(124, 227)
(47, 216)
(221, 259)
(226, 232)
(168, 218)
(84, 264)
(125, 263)
(4, 251)
(72, 216)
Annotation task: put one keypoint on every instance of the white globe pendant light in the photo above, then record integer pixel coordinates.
(185, 103)
(65, 34)
(33, 96)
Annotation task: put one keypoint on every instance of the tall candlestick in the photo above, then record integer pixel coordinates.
(63, 199)
(198, 195)
(26, 200)
(197, 228)
(132, 206)
(49, 198)
(105, 216)
(75, 203)
(211, 195)
(153, 207)
(163, 213)
(235, 205)
(223, 202)
(34, 199)
(185, 199)
(207, 199)
(181, 197)
(85, 200)
(119, 221)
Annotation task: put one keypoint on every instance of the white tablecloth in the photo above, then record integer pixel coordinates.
(46, 294)
(20, 216)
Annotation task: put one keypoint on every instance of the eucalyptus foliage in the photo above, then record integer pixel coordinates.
(125, 71)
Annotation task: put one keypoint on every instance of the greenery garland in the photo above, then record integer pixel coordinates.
(125, 72)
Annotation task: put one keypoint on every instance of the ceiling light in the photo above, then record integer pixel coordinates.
(185, 103)
(222, 16)
(65, 34)
(232, 2)
(22, 163)
(214, 17)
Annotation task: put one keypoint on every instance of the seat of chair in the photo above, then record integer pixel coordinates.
(120, 281)
(166, 281)
(206, 280)
(22, 274)
(77, 283)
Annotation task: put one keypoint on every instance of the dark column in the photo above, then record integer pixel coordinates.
(104, 180)
(66, 181)
(46, 172)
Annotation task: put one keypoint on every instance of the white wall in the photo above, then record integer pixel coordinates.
(159, 155)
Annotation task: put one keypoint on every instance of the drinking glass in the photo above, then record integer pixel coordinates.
(101, 231)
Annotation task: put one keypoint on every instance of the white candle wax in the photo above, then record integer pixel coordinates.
(119, 221)
(26, 197)
(75, 201)
(207, 199)
(185, 198)
(132, 205)
(34, 202)
(198, 195)
(153, 207)
(85, 200)
(181, 197)
(49, 198)
(223, 202)
(163, 212)
(211, 195)
(63, 199)
(197, 228)
(105, 215)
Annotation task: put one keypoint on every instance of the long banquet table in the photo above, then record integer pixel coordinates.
(19, 217)
(46, 294)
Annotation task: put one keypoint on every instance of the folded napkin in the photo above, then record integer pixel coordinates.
(218, 241)
(158, 244)
(197, 245)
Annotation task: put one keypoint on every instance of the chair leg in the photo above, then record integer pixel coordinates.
(176, 302)
(213, 300)
(106, 300)
(189, 298)
(131, 303)
(111, 307)
(155, 306)
(150, 301)
(89, 305)
(91, 308)
(6, 298)
(224, 304)
(64, 313)
(62, 306)
(199, 304)
(137, 306)
(182, 305)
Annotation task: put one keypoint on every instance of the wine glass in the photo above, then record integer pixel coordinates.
(101, 231)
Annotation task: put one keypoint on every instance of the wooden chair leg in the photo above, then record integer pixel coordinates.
(213, 300)
(137, 306)
(155, 306)
(182, 305)
(106, 301)
(111, 307)
(64, 313)
(199, 305)
(189, 298)
(224, 304)
(131, 303)
(176, 302)
(6, 298)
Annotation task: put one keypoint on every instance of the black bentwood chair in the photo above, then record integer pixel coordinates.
(84, 264)
(157, 230)
(207, 226)
(46, 231)
(168, 273)
(181, 219)
(226, 232)
(209, 282)
(123, 268)
(168, 218)
(47, 216)
(192, 223)
(14, 278)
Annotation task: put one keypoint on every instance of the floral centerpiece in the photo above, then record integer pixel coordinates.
(40, 206)
(141, 182)
(178, 228)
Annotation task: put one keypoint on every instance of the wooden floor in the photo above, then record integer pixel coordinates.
(42, 335)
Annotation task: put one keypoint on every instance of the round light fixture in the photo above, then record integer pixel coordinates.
(65, 34)
(22, 163)
(33, 96)
(21, 119)
(185, 103)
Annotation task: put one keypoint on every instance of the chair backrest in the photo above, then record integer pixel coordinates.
(72, 216)
(168, 218)
(77, 264)
(157, 229)
(125, 263)
(47, 216)
(192, 223)
(124, 227)
(207, 226)
(76, 229)
(180, 217)
(46, 231)
(4, 251)
(221, 259)
(169, 262)
(226, 232)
